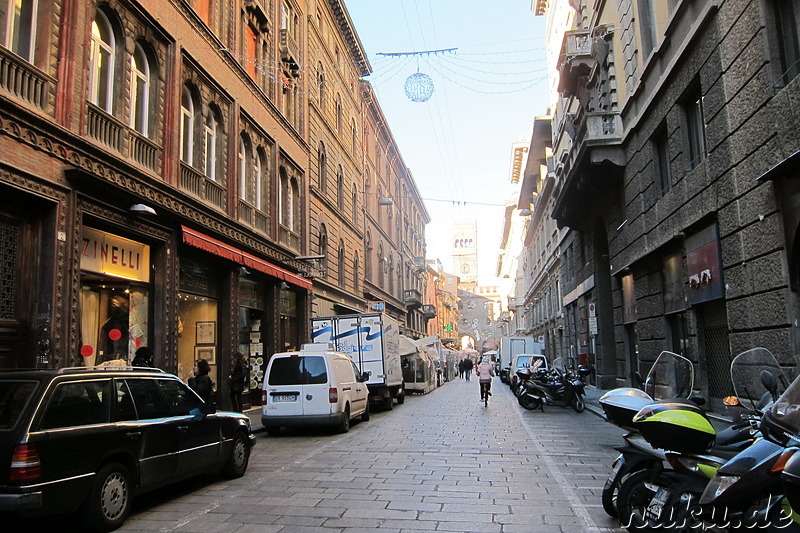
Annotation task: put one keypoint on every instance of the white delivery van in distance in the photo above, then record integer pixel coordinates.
(313, 386)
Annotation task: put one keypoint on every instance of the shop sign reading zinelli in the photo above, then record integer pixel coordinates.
(109, 254)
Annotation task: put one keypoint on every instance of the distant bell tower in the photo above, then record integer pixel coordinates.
(465, 250)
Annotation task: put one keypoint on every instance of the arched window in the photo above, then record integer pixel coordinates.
(261, 165)
(286, 202)
(355, 136)
(390, 274)
(245, 191)
(21, 36)
(341, 265)
(140, 90)
(355, 204)
(187, 126)
(323, 247)
(294, 186)
(356, 274)
(340, 189)
(321, 86)
(338, 113)
(381, 266)
(368, 256)
(210, 138)
(322, 167)
(101, 69)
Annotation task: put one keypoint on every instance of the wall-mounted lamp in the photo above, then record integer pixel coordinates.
(385, 201)
(284, 286)
(141, 209)
(243, 271)
(525, 212)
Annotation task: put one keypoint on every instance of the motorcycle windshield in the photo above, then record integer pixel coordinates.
(781, 423)
(558, 364)
(746, 369)
(671, 376)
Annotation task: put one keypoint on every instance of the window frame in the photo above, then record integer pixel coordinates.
(140, 91)
(694, 121)
(101, 79)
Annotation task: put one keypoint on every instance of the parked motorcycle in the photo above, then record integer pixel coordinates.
(708, 479)
(559, 386)
(671, 379)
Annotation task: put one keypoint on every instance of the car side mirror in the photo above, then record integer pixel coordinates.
(365, 375)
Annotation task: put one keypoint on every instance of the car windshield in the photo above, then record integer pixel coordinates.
(13, 397)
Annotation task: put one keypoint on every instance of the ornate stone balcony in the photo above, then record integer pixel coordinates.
(575, 60)
(26, 82)
(412, 298)
(290, 52)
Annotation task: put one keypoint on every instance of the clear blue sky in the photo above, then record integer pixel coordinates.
(486, 93)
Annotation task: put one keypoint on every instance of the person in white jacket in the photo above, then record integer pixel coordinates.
(485, 373)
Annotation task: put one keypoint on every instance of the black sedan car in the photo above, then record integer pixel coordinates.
(90, 439)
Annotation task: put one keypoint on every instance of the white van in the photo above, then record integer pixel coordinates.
(313, 386)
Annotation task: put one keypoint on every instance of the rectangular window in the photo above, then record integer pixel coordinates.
(251, 46)
(787, 20)
(695, 127)
(660, 145)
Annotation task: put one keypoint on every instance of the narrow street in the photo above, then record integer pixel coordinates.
(440, 462)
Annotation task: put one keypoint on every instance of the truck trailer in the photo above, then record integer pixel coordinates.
(372, 341)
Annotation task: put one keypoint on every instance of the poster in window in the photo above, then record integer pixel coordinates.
(206, 333)
(209, 353)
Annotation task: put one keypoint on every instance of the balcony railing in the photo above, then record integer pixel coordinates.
(289, 238)
(290, 51)
(105, 128)
(575, 60)
(145, 152)
(197, 184)
(253, 217)
(412, 298)
(25, 81)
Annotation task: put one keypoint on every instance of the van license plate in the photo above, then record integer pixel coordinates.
(284, 398)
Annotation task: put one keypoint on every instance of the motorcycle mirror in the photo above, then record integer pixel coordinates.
(731, 400)
(770, 383)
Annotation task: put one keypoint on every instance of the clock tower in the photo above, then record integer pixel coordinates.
(465, 250)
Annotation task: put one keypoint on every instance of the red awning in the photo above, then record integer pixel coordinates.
(216, 247)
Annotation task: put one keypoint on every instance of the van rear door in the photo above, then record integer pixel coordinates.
(297, 385)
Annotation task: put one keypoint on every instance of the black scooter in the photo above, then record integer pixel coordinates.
(554, 387)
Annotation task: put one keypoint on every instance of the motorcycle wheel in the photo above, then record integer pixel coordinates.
(633, 497)
(578, 403)
(529, 403)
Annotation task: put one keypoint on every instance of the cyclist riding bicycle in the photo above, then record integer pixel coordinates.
(485, 373)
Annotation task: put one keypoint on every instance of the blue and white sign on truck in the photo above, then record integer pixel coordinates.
(372, 341)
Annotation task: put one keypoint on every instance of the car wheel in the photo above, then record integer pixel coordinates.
(109, 500)
(344, 426)
(388, 403)
(238, 459)
(365, 414)
(401, 398)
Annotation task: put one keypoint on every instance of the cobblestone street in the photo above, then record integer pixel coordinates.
(440, 462)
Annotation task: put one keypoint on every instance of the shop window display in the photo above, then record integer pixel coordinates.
(197, 334)
(114, 321)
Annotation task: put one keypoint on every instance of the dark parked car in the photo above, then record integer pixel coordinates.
(90, 439)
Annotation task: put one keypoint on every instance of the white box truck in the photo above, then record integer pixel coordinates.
(511, 346)
(372, 340)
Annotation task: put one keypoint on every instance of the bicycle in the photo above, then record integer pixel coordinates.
(485, 393)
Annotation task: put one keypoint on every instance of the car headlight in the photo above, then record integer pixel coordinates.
(717, 486)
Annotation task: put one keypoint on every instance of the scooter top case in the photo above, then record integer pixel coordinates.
(621, 405)
(675, 425)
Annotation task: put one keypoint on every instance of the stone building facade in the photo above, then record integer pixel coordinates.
(675, 143)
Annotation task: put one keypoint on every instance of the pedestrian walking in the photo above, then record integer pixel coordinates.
(200, 381)
(461, 369)
(468, 367)
(236, 381)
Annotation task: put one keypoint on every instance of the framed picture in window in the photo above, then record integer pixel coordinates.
(209, 353)
(206, 333)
